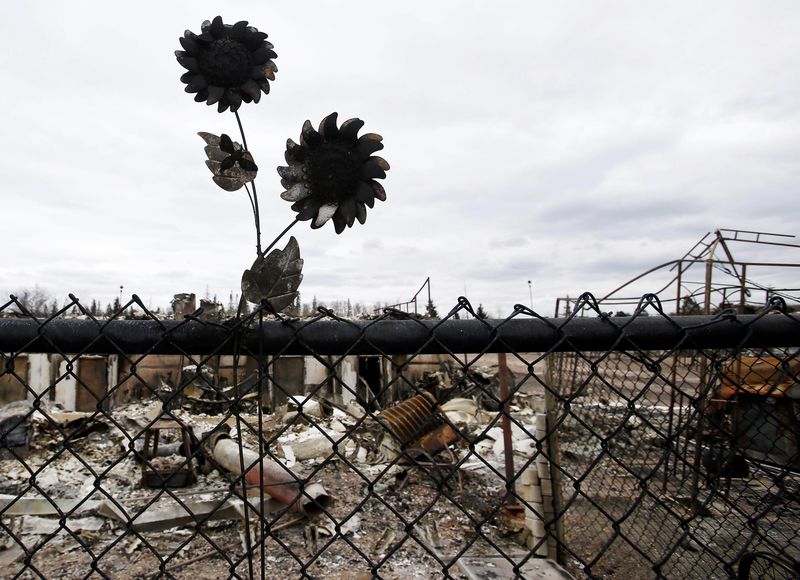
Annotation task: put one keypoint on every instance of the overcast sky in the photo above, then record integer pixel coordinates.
(571, 144)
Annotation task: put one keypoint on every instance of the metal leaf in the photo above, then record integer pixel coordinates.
(275, 277)
(231, 170)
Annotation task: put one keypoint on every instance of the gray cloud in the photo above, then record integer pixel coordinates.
(572, 144)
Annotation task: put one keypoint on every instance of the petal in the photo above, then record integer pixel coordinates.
(306, 208)
(186, 61)
(199, 81)
(257, 73)
(250, 87)
(247, 163)
(254, 39)
(294, 153)
(374, 167)
(262, 55)
(380, 193)
(214, 94)
(191, 45)
(217, 28)
(297, 192)
(196, 83)
(339, 222)
(201, 95)
(210, 138)
(265, 87)
(367, 147)
(215, 153)
(325, 213)
(205, 25)
(239, 30)
(348, 211)
(227, 163)
(350, 128)
(228, 183)
(361, 212)
(187, 77)
(308, 136)
(365, 193)
(369, 137)
(293, 172)
(328, 127)
(234, 98)
(382, 163)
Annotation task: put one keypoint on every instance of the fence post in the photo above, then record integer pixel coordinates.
(554, 451)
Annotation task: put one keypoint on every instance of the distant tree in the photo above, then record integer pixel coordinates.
(35, 300)
(93, 308)
(690, 306)
(621, 313)
(349, 309)
(314, 305)
(53, 307)
(430, 311)
(296, 307)
(481, 313)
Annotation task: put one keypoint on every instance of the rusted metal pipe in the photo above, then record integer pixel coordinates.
(409, 420)
(276, 480)
(438, 439)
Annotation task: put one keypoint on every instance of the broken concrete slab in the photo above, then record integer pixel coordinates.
(496, 567)
(157, 518)
(11, 505)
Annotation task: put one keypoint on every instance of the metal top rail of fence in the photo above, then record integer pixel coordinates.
(649, 445)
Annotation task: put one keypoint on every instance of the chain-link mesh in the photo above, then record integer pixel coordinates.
(647, 446)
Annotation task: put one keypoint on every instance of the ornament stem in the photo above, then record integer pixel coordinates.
(254, 200)
(280, 235)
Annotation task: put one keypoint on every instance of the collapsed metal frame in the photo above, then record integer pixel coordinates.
(704, 252)
(522, 332)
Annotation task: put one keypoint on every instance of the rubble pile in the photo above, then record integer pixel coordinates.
(481, 383)
(368, 482)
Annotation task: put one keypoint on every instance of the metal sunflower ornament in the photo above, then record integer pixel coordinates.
(227, 64)
(331, 173)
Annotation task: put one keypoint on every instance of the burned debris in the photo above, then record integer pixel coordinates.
(181, 463)
(15, 428)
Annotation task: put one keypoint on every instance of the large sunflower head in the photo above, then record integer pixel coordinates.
(226, 63)
(331, 173)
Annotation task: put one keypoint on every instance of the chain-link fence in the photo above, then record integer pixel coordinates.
(643, 446)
